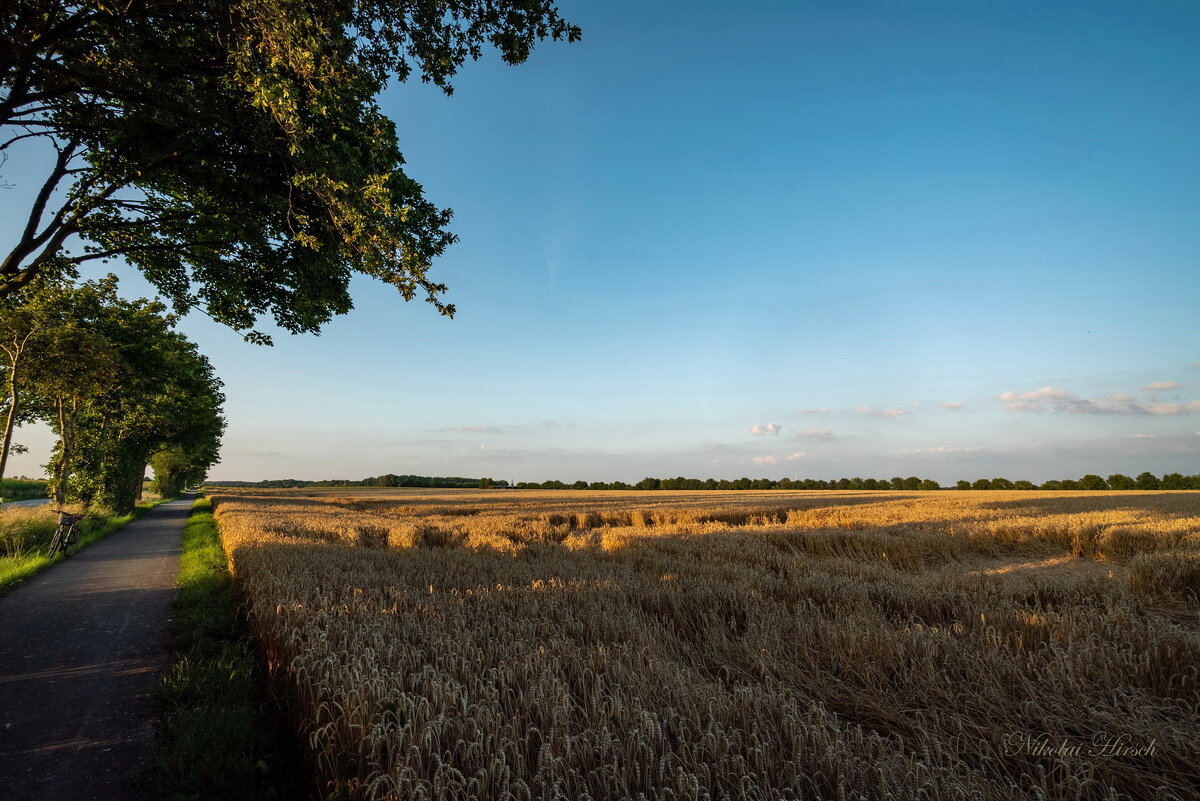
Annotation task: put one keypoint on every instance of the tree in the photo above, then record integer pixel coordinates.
(981, 484)
(1024, 485)
(234, 151)
(1174, 481)
(1093, 482)
(177, 467)
(1118, 481)
(58, 355)
(962, 484)
(928, 485)
(1001, 484)
(156, 393)
(1146, 481)
(28, 328)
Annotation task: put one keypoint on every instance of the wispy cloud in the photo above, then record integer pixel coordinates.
(772, 459)
(479, 429)
(941, 450)
(812, 411)
(1053, 399)
(952, 405)
(763, 429)
(817, 435)
(1159, 386)
(885, 414)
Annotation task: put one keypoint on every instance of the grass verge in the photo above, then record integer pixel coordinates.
(220, 734)
(26, 562)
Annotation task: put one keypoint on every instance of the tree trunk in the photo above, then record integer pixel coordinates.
(66, 433)
(13, 397)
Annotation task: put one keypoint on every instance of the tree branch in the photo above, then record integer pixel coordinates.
(167, 246)
(31, 135)
(28, 241)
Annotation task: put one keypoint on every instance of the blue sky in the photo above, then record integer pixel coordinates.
(805, 239)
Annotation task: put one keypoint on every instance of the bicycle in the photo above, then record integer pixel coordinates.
(66, 535)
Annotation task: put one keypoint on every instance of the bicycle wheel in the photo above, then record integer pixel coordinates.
(71, 540)
(56, 543)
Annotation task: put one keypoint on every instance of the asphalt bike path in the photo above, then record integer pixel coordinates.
(82, 645)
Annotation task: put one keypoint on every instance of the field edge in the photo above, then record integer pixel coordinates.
(220, 732)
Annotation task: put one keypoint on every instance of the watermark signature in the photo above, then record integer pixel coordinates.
(1101, 745)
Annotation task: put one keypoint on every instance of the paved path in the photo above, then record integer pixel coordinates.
(30, 502)
(80, 646)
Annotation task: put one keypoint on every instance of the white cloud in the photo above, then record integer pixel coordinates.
(818, 435)
(762, 429)
(1038, 395)
(1174, 408)
(772, 459)
(478, 429)
(886, 414)
(1052, 399)
(812, 411)
(1161, 386)
(952, 405)
(1144, 436)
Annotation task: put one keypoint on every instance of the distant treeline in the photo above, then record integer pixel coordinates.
(12, 489)
(1117, 481)
(681, 483)
(386, 480)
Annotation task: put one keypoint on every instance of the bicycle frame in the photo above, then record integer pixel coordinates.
(67, 533)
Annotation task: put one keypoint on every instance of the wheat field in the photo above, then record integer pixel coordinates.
(443, 644)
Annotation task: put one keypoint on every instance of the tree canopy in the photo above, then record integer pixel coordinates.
(162, 394)
(116, 383)
(233, 151)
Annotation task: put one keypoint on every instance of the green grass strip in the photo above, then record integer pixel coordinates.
(220, 733)
(18, 567)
